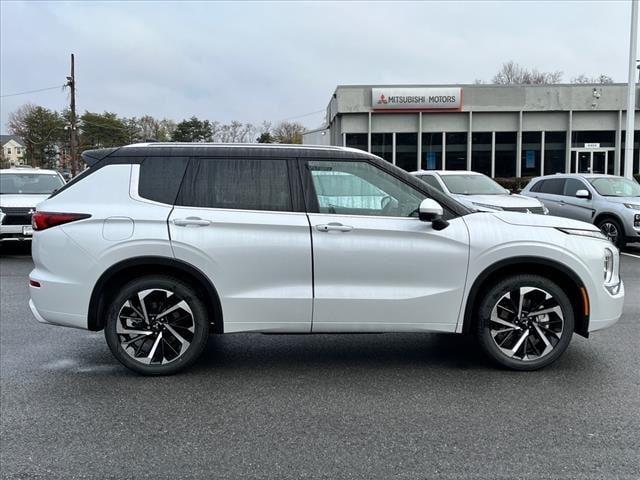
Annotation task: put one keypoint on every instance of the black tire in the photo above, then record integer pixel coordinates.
(533, 353)
(608, 225)
(183, 331)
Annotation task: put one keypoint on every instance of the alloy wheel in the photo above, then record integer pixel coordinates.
(526, 324)
(155, 326)
(611, 231)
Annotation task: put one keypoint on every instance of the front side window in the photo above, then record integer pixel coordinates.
(237, 183)
(29, 183)
(465, 184)
(359, 188)
(572, 185)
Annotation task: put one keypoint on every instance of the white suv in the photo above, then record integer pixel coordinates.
(162, 244)
(21, 189)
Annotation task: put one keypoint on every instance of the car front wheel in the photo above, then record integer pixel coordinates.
(525, 322)
(156, 325)
(612, 229)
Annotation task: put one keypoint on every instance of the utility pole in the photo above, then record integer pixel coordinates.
(71, 83)
(631, 93)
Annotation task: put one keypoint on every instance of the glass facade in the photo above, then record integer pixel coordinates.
(555, 151)
(531, 154)
(431, 151)
(456, 151)
(407, 151)
(382, 145)
(506, 150)
(357, 140)
(591, 151)
(636, 153)
(481, 152)
(606, 138)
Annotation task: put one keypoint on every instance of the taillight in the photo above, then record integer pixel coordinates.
(44, 220)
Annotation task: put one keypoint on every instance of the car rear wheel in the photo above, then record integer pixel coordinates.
(525, 322)
(156, 325)
(612, 229)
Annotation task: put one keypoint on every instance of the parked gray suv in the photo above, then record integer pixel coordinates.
(610, 202)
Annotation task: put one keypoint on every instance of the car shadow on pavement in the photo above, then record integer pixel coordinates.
(338, 351)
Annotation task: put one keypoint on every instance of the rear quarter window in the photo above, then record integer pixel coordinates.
(160, 178)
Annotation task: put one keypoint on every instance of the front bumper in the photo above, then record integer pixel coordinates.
(15, 232)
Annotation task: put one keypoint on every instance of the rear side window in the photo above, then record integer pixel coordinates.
(237, 183)
(431, 181)
(160, 178)
(554, 186)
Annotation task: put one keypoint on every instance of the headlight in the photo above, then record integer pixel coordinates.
(608, 265)
(584, 233)
(484, 205)
(632, 206)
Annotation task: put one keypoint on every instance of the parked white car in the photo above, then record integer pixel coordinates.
(21, 189)
(479, 192)
(162, 244)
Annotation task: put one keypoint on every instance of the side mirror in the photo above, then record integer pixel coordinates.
(431, 211)
(583, 193)
(507, 191)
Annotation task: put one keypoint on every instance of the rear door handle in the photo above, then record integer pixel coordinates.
(191, 222)
(334, 227)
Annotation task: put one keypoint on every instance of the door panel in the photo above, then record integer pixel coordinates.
(259, 262)
(376, 266)
(236, 220)
(387, 274)
(573, 207)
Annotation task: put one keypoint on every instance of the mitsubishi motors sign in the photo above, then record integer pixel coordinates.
(446, 98)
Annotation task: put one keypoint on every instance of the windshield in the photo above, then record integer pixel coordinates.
(472, 185)
(29, 183)
(616, 187)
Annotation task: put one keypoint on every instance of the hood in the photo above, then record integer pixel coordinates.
(514, 218)
(502, 201)
(635, 200)
(21, 200)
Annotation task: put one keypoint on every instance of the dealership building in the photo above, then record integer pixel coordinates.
(502, 131)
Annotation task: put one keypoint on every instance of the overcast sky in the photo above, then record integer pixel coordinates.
(276, 60)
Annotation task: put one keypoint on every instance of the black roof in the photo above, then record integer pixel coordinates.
(138, 152)
(91, 157)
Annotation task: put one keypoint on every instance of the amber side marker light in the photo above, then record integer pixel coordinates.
(585, 301)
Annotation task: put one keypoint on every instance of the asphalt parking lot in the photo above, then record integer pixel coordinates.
(349, 406)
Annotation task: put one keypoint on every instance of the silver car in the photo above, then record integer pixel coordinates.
(478, 192)
(21, 189)
(610, 202)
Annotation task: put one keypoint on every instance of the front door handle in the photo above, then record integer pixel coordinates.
(334, 227)
(191, 222)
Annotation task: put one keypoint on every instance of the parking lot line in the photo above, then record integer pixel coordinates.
(630, 255)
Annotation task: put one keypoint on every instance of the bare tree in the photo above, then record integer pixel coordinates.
(512, 73)
(600, 79)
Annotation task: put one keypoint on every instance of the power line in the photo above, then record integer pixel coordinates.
(32, 91)
(303, 115)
